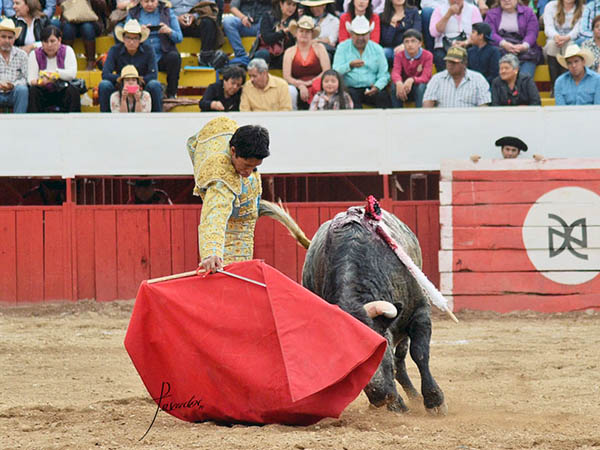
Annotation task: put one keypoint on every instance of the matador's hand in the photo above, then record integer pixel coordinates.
(210, 264)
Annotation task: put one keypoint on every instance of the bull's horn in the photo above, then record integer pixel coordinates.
(377, 308)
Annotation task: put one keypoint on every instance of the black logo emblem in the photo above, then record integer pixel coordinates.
(567, 238)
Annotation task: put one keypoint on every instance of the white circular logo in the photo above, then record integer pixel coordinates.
(561, 234)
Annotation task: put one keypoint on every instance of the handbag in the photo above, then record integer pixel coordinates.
(79, 84)
(533, 53)
(448, 42)
(78, 11)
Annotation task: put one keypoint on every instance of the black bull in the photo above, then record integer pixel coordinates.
(349, 265)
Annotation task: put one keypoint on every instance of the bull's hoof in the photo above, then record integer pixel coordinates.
(441, 410)
(397, 405)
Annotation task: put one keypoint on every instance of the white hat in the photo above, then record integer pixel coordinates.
(360, 25)
(575, 50)
(8, 25)
(132, 27)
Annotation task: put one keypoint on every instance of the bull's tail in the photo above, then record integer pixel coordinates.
(278, 213)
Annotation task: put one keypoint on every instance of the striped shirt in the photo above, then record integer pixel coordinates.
(473, 90)
(15, 71)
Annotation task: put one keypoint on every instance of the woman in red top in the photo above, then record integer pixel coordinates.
(306, 61)
(359, 8)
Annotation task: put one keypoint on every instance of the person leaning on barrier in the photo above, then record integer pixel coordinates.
(13, 69)
(513, 88)
(130, 50)
(225, 94)
(264, 92)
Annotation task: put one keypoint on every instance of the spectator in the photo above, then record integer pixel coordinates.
(146, 193)
(88, 31)
(580, 85)
(395, 20)
(225, 94)
(513, 88)
(130, 96)
(243, 21)
(130, 49)
(363, 65)
(323, 13)
(155, 13)
(13, 69)
(304, 62)
(515, 30)
(511, 146)
(482, 56)
(378, 6)
(586, 27)
(359, 8)
(451, 24)
(457, 86)
(593, 45)
(264, 92)
(332, 95)
(562, 19)
(412, 71)
(200, 19)
(51, 67)
(31, 20)
(275, 37)
(48, 7)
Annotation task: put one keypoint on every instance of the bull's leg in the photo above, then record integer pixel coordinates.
(401, 373)
(419, 331)
(381, 390)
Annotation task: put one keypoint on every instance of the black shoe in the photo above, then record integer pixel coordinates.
(205, 58)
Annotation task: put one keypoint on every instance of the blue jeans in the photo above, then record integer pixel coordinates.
(234, 30)
(87, 31)
(416, 94)
(18, 98)
(106, 88)
(527, 68)
(426, 14)
(389, 55)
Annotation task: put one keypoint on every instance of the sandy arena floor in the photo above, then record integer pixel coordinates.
(516, 381)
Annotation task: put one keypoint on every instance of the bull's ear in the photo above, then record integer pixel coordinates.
(380, 307)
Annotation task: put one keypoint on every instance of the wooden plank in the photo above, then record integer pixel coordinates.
(85, 253)
(285, 255)
(160, 242)
(428, 234)
(133, 251)
(407, 214)
(55, 266)
(30, 255)
(509, 171)
(473, 283)
(105, 254)
(516, 302)
(506, 192)
(8, 257)
(190, 229)
(189, 45)
(177, 242)
(308, 219)
(104, 43)
(264, 243)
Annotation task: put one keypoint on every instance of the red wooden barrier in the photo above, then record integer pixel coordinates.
(75, 252)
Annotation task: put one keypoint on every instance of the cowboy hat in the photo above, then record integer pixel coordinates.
(310, 3)
(132, 27)
(129, 71)
(306, 23)
(575, 50)
(8, 25)
(360, 25)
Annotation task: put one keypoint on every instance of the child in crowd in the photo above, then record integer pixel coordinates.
(332, 95)
(130, 95)
(412, 70)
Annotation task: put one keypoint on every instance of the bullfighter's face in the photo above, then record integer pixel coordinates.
(244, 166)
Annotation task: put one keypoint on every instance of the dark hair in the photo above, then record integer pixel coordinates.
(595, 21)
(388, 12)
(35, 8)
(368, 11)
(277, 10)
(329, 9)
(411, 32)
(233, 71)
(341, 86)
(251, 141)
(48, 31)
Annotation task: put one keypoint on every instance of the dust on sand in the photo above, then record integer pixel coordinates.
(515, 381)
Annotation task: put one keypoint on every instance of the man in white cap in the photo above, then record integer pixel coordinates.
(13, 69)
(363, 65)
(580, 85)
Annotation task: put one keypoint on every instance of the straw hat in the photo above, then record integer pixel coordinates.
(575, 50)
(306, 23)
(310, 3)
(129, 71)
(360, 25)
(132, 27)
(8, 25)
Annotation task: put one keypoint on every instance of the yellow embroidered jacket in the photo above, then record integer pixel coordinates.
(230, 201)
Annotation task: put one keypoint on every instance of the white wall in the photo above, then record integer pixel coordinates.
(301, 142)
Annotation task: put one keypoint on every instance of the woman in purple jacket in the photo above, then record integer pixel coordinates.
(515, 29)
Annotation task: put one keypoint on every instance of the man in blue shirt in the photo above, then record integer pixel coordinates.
(363, 65)
(130, 50)
(580, 85)
(482, 56)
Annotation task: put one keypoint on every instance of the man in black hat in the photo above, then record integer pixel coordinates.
(482, 56)
(511, 146)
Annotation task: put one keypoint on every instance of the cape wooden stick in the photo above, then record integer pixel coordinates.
(192, 273)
